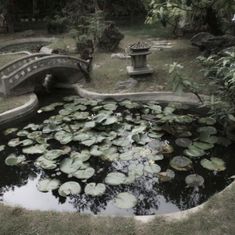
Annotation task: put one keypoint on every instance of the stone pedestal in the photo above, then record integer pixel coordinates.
(139, 66)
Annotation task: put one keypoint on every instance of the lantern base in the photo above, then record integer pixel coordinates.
(139, 71)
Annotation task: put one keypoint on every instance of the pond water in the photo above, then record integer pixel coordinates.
(127, 150)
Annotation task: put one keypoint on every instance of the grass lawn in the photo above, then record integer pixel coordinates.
(108, 72)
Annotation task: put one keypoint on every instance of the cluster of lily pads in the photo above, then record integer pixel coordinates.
(131, 136)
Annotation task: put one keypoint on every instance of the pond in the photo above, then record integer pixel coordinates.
(113, 158)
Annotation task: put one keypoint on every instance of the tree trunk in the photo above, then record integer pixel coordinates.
(213, 22)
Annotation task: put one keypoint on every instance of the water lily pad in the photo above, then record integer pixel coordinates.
(34, 135)
(115, 178)
(194, 180)
(89, 125)
(64, 137)
(84, 174)
(166, 176)
(207, 121)
(209, 130)
(33, 127)
(26, 142)
(83, 156)
(110, 106)
(2, 148)
(214, 164)
(35, 149)
(135, 169)
(183, 142)
(110, 120)
(10, 131)
(208, 139)
(203, 146)
(193, 151)
(181, 163)
(13, 160)
(94, 189)
(125, 201)
(22, 133)
(45, 163)
(129, 104)
(152, 169)
(14, 142)
(69, 188)
(70, 165)
(46, 185)
(53, 154)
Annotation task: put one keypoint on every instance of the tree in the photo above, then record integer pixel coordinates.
(199, 15)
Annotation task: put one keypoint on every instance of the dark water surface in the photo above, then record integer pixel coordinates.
(18, 184)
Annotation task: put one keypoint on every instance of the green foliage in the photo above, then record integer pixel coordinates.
(220, 69)
(212, 15)
(57, 25)
(179, 83)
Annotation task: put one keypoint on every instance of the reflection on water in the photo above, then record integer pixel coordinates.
(18, 186)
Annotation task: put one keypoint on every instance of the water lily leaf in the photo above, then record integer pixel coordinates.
(13, 160)
(203, 146)
(50, 107)
(45, 163)
(183, 142)
(193, 151)
(22, 133)
(126, 156)
(129, 104)
(34, 135)
(166, 148)
(155, 108)
(89, 142)
(214, 164)
(94, 189)
(89, 125)
(135, 169)
(80, 116)
(95, 151)
(10, 131)
(64, 137)
(152, 168)
(84, 174)
(110, 120)
(166, 176)
(115, 178)
(2, 148)
(110, 106)
(83, 156)
(207, 121)
(122, 142)
(33, 127)
(35, 149)
(71, 165)
(26, 142)
(155, 135)
(69, 188)
(209, 130)
(125, 201)
(53, 154)
(46, 185)
(168, 110)
(184, 119)
(181, 163)
(14, 142)
(208, 139)
(194, 180)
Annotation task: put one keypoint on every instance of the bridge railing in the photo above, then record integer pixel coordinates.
(32, 67)
(12, 66)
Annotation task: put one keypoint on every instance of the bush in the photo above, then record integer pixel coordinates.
(57, 25)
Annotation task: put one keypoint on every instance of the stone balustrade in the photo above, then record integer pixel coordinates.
(18, 71)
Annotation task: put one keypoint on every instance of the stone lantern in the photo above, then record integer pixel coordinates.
(139, 66)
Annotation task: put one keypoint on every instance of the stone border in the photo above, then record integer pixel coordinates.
(25, 40)
(20, 111)
(161, 96)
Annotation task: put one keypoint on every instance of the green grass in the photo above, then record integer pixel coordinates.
(5, 59)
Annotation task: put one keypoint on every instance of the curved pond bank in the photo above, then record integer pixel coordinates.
(32, 103)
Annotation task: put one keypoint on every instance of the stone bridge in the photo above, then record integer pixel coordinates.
(23, 75)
